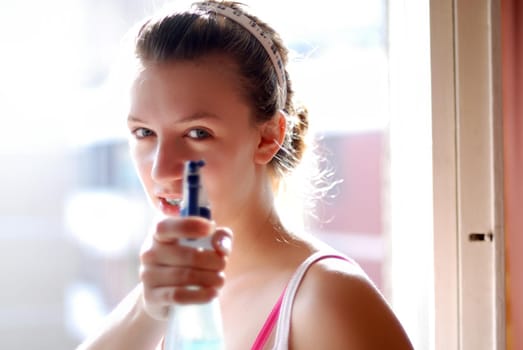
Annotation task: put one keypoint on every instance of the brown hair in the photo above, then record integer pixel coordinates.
(196, 33)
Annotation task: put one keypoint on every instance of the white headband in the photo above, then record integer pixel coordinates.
(243, 20)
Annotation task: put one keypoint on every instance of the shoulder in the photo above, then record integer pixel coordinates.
(338, 307)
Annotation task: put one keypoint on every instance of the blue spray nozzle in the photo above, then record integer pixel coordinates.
(194, 201)
(193, 166)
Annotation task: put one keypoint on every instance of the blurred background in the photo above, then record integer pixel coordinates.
(72, 212)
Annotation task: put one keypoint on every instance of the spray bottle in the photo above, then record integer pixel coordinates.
(195, 326)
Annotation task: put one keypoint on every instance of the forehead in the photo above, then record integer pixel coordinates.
(210, 82)
(211, 70)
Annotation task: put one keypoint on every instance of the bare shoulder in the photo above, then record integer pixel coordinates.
(338, 307)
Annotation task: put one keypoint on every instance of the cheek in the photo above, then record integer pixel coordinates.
(230, 178)
(143, 166)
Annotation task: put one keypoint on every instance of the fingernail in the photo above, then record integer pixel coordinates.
(225, 245)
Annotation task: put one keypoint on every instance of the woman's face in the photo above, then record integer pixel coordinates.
(192, 110)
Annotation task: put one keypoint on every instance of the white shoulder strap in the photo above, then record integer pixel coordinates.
(281, 341)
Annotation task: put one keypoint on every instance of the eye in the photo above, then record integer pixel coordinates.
(198, 134)
(141, 133)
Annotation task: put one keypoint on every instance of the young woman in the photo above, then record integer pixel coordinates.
(212, 85)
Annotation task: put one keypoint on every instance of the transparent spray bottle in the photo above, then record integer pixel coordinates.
(195, 326)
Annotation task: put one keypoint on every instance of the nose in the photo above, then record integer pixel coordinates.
(168, 162)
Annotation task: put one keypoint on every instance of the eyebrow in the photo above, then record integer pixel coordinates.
(189, 118)
(132, 118)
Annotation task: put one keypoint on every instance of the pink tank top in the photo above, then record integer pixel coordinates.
(281, 312)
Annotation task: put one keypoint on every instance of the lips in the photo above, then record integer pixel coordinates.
(173, 201)
(170, 206)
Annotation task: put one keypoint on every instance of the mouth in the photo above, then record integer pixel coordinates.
(174, 201)
(170, 206)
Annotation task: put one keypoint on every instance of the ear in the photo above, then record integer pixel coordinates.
(272, 133)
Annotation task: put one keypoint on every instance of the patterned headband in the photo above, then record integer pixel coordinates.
(243, 20)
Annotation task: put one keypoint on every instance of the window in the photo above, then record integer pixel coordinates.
(351, 68)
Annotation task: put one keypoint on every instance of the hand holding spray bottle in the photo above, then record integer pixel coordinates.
(195, 326)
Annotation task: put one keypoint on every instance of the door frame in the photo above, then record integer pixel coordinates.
(468, 175)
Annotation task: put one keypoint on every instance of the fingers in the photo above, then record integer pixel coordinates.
(172, 272)
(163, 254)
(171, 229)
(163, 276)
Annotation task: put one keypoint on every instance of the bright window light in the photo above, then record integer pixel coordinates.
(105, 222)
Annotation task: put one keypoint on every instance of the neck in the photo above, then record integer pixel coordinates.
(255, 240)
(259, 237)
